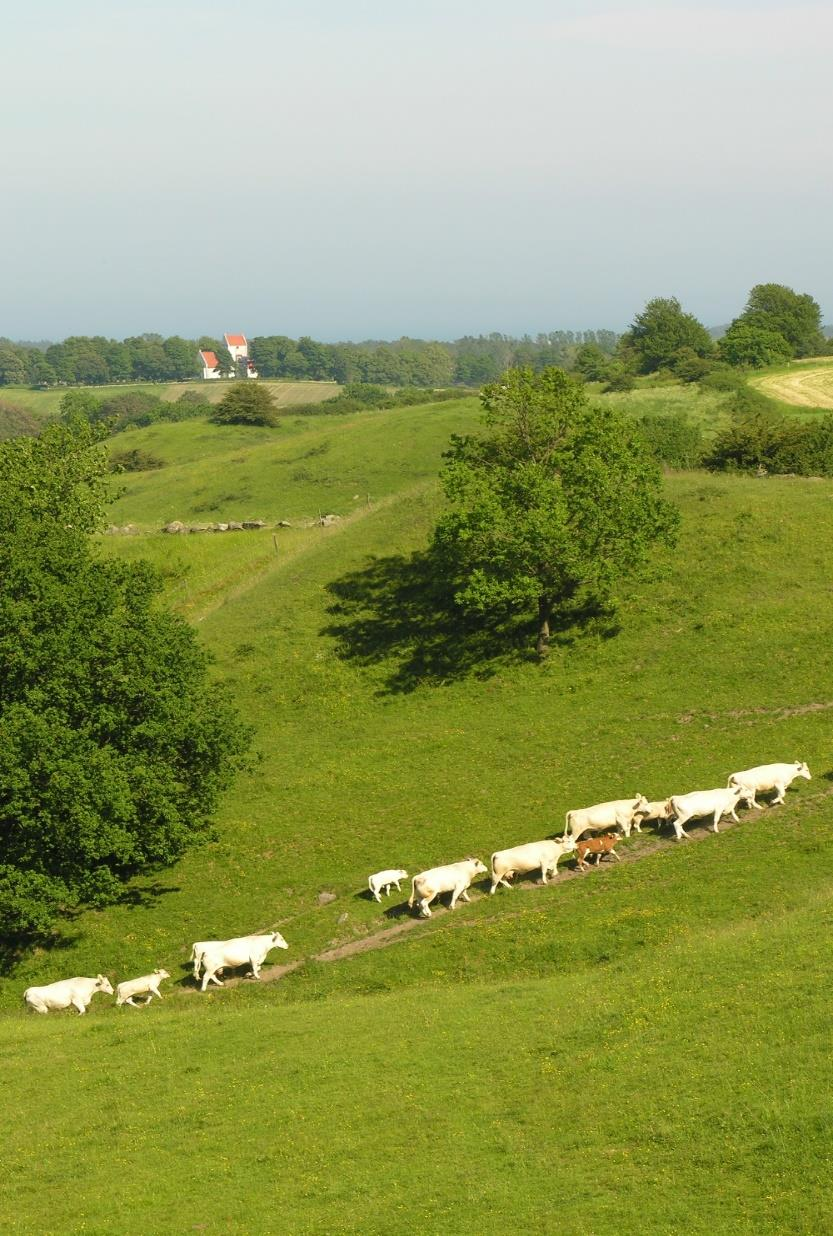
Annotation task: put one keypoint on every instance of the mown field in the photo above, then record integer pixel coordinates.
(47, 402)
(642, 1049)
(805, 384)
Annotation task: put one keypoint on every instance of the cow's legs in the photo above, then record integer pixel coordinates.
(717, 816)
(779, 796)
(38, 1007)
(616, 856)
(464, 893)
(79, 1004)
(424, 908)
(398, 889)
(255, 968)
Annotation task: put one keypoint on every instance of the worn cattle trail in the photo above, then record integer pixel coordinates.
(641, 846)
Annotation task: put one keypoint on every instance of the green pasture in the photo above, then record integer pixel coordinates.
(642, 1049)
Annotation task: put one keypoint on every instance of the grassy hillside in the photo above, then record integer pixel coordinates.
(640, 1049)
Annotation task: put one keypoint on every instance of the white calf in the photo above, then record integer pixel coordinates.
(768, 777)
(382, 881)
(455, 878)
(535, 856)
(68, 993)
(700, 803)
(147, 985)
(622, 813)
(241, 951)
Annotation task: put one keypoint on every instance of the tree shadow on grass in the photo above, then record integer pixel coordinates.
(399, 612)
(15, 949)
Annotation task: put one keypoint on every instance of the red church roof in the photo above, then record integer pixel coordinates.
(209, 360)
(235, 341)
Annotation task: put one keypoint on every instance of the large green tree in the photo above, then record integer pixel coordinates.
(114, 741)
(796, 316)
(552, 505)
(750, 344)
(659, 331)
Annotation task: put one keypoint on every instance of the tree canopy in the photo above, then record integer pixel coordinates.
(753, 345)
(114, 741)
(246, 403)
(550, 507)
(793, 315)
(659, 332)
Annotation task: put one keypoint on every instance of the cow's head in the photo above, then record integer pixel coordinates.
(103, 984)
(478, 867)
(278, 940)
(640, 802)
(801, 770)
(568, 844)
(161, 974)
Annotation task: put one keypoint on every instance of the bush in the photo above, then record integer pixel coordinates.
(135, 461)
(619, 380)
(674, 440)
(722, 378)
(246, 403)
(18, 422)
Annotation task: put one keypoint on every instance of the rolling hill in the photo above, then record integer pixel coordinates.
(644, 1048)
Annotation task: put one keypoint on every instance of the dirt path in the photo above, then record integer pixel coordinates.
(641, 846)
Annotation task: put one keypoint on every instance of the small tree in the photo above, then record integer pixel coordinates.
(246, 404)
(114, 741)
(552, 506)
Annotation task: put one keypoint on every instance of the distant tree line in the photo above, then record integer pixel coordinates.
(83, 360)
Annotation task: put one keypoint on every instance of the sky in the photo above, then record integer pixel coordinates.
(353, 169)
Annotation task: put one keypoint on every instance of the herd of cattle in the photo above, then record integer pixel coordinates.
(211, 957)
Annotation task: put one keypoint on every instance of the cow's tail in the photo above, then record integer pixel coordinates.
(566, 825)
(412, 897)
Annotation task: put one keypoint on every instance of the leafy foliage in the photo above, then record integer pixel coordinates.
(552, 506)
(753, 345)
(659, 332)
(246, 403)
(674, 440)
(795, 316)
(114, 744)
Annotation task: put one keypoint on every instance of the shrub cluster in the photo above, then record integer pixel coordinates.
(761, 440)
(132, 409)
(360, 396)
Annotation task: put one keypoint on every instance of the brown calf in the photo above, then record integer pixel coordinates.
(597, 846)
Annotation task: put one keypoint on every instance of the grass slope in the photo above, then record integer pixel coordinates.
(641, 1049)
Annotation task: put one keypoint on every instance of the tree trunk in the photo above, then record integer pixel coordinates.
(544, 610)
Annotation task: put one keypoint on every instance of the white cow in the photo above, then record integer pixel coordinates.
(217, 955)
(659, 811)
(700, 803)
(622, 813)
(535, 856)
(768, 777)
(68, 993)
(454, 878)
(147, 985)
(382, 881)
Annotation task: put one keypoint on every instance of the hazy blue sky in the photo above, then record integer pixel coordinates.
(384, 167)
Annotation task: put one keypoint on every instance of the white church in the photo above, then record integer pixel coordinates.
(238, 348)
